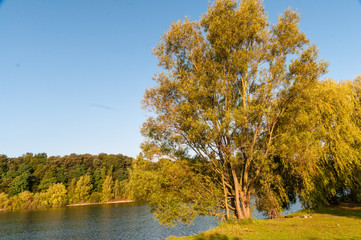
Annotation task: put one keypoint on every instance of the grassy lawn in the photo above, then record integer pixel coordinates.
(342, 222)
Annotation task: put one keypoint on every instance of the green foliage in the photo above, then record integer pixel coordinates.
(108, 189)
(176, 191)
(4, 201)
(323, 131)
(53, 197)
(82, 189)
(243, 98)
(45, 183)
(121, 189)
(71, 191)
(22, 201)
(20, 183)
(117, 189)
(38, 172)
(52, 181)
(98, 181)
(56, 195)
(95, 197)
(25, 200)
(41, 200)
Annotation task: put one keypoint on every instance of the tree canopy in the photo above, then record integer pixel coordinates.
(36, 180)
(241, 99)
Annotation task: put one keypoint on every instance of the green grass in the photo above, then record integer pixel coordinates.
(342, 222)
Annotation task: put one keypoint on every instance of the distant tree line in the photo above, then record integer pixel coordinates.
(36, 181)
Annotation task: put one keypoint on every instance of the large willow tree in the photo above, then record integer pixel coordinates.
(228, 81)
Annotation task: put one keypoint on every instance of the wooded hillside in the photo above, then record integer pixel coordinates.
(77, 178)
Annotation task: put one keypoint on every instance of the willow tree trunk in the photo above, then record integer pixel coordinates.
(241, 198)
(245, 199)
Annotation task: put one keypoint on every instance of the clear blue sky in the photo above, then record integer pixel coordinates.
(73, 72)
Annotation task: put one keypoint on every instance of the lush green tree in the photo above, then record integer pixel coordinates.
(21, 183)
(97, 181)
(4, 181)
(82, 189)
(4, 200)
(118, 191)
(318, 147)
(26, 200)
(337, 132)
(53, 197)
(3, 166)
(228, 82)
(121, 189)
(107, 189)
(56, 195)
(22, 201)
(95, 197)
(78, 171)
(45, 183)
(71, 191)
(175, 190)
(41, 200)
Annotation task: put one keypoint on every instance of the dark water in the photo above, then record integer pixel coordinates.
(126, 221)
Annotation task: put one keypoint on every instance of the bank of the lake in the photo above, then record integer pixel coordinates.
(341, 222)
(93, 203)
(98, 203)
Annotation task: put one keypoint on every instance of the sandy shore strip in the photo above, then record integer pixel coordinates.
(84, 204)
(110, 202)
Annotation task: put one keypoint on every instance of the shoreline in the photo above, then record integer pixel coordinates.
(73, 205)
(98, 203)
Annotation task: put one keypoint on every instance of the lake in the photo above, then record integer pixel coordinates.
(126, 221)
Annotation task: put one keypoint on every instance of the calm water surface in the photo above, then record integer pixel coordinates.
(126, 221)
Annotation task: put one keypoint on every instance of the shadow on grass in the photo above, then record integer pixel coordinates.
(343, 210)
(215, 236)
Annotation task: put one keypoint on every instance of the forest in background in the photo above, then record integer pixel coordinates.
(36, 180)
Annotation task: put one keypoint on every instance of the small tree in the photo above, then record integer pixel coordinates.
(22, 201)
(4, 201)
(20, 183)
(82, 189)
(107, 192)
(56, 195)
(71, 191)
(117, 190)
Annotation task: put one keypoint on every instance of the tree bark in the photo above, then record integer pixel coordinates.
(236, 199)
(225, 197)
(245, 199)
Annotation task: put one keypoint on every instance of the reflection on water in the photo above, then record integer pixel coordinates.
(110, 221)
(124, 221)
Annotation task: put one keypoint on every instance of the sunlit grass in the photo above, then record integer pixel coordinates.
(342, 222)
